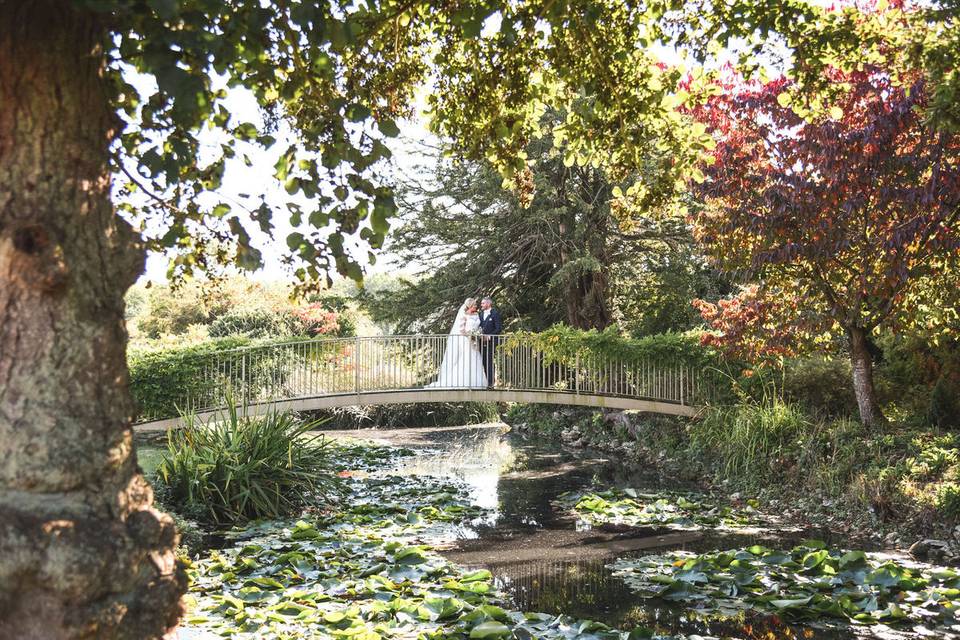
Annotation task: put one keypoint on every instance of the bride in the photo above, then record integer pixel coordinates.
(461, 365)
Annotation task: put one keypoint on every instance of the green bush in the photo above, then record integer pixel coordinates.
(920, 379)
(161, 381)
(943, 409)
(820, 385)
(235, 468)
(254, 324)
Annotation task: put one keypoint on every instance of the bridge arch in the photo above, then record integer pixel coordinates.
(337, 372)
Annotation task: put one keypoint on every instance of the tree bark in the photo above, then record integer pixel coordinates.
(863, 387)
(587, 293)
(82, 553)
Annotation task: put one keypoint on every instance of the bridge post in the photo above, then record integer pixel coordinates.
(576, 373)
(356, 365)
(243, 378)
(681, 384)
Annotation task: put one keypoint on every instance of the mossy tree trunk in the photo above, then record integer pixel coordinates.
(82, 553)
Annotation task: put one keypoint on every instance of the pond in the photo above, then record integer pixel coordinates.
(544, 558)
(551, 562)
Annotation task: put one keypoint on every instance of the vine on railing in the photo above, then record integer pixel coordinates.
(672, 368)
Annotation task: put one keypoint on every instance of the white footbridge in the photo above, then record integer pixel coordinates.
(327, 373)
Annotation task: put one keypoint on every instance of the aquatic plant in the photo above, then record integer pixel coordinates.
(670, 509)
(809, 581)
(234, 468)
(366, 570)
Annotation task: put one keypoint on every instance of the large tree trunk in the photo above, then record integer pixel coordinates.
(863, 388)
(587, 292)
(587, 301)
(82, 553)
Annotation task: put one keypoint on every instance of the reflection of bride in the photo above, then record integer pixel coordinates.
(461, 365)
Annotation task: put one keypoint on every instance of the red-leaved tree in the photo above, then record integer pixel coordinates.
(840, 221)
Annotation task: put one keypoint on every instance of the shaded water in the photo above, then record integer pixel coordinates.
(545, 561)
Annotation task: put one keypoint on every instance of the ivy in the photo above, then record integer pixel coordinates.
(562, 344)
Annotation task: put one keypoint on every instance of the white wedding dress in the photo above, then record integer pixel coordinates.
(461, 365)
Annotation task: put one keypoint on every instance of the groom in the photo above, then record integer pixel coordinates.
(491, 325)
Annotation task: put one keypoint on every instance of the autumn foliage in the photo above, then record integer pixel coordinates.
(318, 320)
(841, 219)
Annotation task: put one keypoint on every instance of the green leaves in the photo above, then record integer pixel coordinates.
(677, 511)
(810, 581)
(357, 113)
(355, 571)
(388, 128)
(490, 629)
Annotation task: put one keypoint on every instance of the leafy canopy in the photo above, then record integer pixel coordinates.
(330, 81)
(563, 257)
(842, 222)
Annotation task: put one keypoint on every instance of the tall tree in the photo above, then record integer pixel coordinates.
(841, 221)
(562, 258)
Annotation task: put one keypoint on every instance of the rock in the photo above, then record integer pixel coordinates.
(736, 497)
(618, 419)
(891, 538)
(931, 549)
(568, 436)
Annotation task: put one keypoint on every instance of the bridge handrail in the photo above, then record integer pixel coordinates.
(328, 366)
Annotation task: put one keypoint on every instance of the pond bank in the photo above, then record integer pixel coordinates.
(892, 488)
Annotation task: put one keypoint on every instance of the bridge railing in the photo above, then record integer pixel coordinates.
(358, 365)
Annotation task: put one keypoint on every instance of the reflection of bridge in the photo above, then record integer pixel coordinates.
(338, 372)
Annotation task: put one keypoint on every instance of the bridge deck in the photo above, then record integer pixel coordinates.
(337, 372)
(441, 395)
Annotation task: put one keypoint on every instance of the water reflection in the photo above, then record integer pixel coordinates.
(545, 562)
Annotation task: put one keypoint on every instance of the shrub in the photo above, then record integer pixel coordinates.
(254, 324)
(943, 409)
(161, 381)
(235, 468)
(315, 320)
(921, 379)
(820, 385)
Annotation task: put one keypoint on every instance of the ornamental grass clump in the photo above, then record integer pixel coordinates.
(754, 441)
(234, 468)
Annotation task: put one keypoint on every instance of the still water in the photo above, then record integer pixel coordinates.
(546, 561)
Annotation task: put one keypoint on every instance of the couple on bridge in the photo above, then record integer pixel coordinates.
(468, 357)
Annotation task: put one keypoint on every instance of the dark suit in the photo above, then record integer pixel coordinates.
(491, 324)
